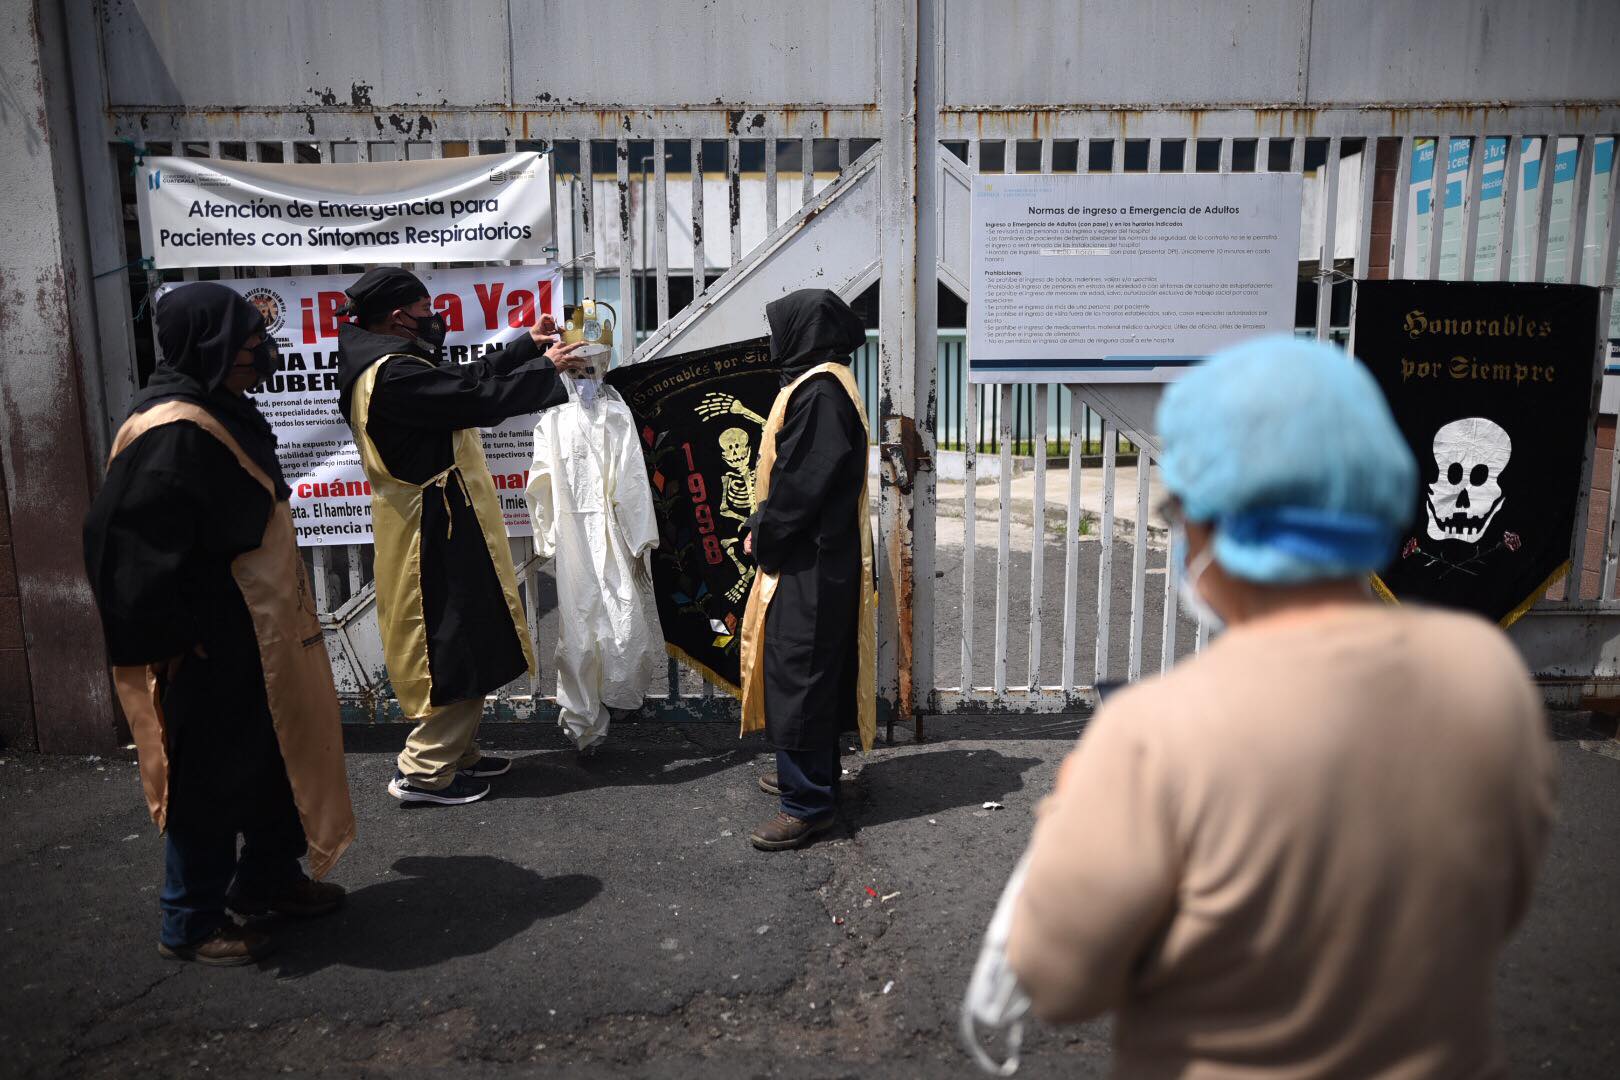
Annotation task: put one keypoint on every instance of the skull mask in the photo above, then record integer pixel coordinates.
(735, 448)
(1469, 456)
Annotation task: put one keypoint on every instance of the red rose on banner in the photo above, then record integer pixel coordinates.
(1410, 549)
(1511, 541)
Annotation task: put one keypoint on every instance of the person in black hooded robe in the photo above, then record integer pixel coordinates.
(417, 405)
(174, 511)
(806, 533)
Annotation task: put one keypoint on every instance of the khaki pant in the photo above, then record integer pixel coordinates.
(441, 743)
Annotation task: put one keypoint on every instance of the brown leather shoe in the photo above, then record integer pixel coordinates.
(229, 946)
(785, 831)
(769, 785)
(304, 899)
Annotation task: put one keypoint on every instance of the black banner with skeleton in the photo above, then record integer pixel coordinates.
(700, 415)
(1491, 383)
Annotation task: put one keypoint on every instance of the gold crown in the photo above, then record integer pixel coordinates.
(585, 323)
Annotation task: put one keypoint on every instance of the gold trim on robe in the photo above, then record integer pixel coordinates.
(764, 588)
(292, 650)
(396, 525)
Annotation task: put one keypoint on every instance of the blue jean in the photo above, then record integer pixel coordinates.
(202, 868)
(809, 782)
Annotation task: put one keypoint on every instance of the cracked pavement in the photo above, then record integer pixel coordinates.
(606, 917)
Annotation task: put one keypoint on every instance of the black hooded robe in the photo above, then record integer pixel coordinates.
(174, 510)
(805, 531)
(416, 407)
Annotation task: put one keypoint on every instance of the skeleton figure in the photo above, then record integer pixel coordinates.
(714, 405)
(745, 582)
(737, 484)
(1469, 456)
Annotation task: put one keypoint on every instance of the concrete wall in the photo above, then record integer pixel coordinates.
(424, 54)
(47, 458)
(16, 694)
(1597, 517)
(1141, 53)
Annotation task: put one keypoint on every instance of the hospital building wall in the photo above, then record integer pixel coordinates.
(16, 694)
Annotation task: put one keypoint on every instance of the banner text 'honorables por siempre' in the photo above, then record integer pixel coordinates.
(344, 238)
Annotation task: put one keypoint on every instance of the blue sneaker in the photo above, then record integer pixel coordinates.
(487, 766)
(462, 789)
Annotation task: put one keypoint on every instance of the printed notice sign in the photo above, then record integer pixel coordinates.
(1126, 277)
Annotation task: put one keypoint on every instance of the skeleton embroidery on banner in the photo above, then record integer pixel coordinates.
(737, 499)
(701, 417)
(1470, 456)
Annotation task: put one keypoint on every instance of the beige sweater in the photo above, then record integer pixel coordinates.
(1298, 854)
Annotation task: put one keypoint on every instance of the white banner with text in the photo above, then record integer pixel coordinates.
(482, 307)
(208, 212)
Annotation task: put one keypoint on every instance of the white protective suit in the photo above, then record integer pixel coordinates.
(592, 508)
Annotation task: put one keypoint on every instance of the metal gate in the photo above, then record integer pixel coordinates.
(832, 144)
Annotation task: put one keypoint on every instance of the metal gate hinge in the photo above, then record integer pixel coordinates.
(905, 458)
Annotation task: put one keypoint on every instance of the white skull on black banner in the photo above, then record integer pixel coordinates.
(1469, 456)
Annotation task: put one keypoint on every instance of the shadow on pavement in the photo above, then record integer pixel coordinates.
(1055, 727)
(618, 764)
(917, 785)
(443, 907)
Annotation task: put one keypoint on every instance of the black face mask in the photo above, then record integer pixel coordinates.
(430, 330)
(265, 359)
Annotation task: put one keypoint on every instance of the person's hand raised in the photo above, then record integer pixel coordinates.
(563, 359)
(545, 332)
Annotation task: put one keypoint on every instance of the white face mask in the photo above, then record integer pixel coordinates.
(586, 387)
(1187, 582)
(994, 999)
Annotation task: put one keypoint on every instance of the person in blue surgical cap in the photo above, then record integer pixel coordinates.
(1300, 852)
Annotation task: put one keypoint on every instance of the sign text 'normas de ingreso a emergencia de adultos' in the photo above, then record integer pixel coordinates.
(1126, 277)
(206, 212)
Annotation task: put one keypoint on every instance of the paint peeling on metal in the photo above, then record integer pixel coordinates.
(360, 95)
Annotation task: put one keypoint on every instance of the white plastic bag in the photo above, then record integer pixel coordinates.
(994, 999)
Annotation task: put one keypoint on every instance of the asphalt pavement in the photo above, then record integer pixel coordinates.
(606, 916)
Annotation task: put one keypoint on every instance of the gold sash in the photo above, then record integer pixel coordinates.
(292, 650)
(396, 525)
(759, 598)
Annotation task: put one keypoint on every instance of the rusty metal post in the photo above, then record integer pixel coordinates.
(907, 67)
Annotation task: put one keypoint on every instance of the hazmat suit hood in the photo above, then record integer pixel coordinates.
(812, 327)
(200, 329)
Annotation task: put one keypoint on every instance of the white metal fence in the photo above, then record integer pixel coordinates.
(1145, 639)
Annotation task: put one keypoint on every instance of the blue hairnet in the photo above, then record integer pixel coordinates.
(1287, 448)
